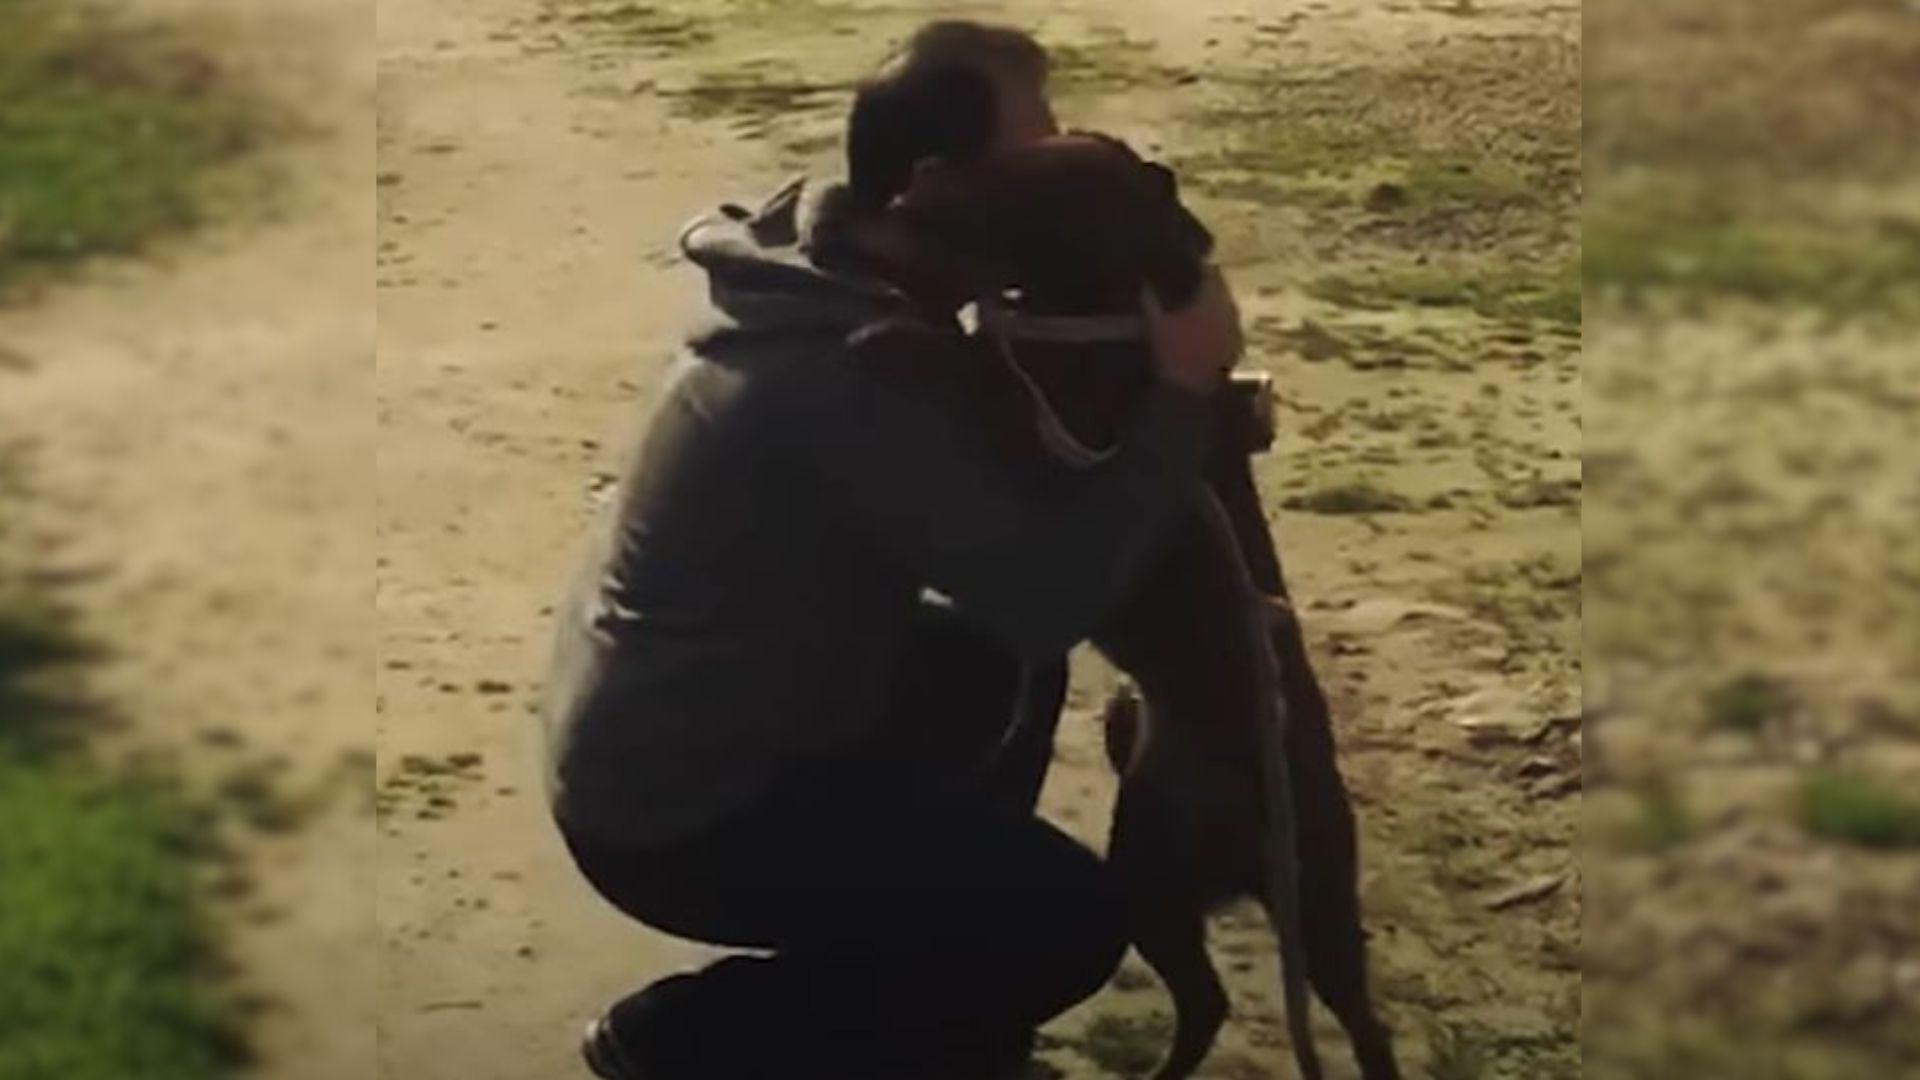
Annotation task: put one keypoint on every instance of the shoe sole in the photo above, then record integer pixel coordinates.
(595, 1049)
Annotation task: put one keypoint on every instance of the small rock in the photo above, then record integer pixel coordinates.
(1527, 892)
(1553, 787)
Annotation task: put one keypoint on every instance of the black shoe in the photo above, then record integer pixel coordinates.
(603, 1054)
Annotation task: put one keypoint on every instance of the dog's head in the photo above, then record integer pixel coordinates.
(1076, 221)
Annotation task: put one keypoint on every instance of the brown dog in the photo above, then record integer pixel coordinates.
(1229, 777)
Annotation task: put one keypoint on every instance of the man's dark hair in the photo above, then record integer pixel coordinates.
(935, 98)
(998, 49)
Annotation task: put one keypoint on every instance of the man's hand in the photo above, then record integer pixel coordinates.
(1194, 348)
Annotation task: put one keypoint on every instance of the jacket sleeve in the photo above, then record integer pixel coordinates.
(1040, 566)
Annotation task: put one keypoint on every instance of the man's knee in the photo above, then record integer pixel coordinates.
(1103, 947)
(1089, 936)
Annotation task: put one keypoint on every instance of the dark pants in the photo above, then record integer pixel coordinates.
(919, 920)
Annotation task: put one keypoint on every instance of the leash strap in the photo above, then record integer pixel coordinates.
(1059, 329)
(1054, 436)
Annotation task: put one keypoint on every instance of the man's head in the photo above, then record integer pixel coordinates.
(956, 92)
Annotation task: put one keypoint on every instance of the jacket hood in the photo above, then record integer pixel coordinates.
(763, 267)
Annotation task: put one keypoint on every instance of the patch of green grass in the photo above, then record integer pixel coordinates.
(1350, 497)
(105, 944)
(1859, 809)
(1664, 822)
(1745, 703)
(109, 960)
(1377, 136)
(1258, 190)
(1256, 148)
(108, 138)
(1434, 184)
(1498, 292)
(1668, 238)
(1127, 1046)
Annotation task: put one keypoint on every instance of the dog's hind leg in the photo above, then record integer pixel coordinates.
(1149, 857)
(1174, 944)
(1336, 944)
(1337, 965)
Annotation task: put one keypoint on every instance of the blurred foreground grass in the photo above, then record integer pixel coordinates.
(1759, 151)
(107, 951)
(1752, 602)
(109, 961)
(108, 136)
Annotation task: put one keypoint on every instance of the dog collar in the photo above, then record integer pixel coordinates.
(1004, 322)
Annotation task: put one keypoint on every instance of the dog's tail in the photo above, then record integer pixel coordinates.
(1283, 863)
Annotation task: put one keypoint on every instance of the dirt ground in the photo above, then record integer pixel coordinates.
(1397, 189)
(535, 162)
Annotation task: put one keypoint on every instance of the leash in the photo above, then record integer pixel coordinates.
(1054, 436)
(1283, 868)
(1059, 329)
(1005, 326)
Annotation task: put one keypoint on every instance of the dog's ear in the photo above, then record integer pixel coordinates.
(1176, 246)
(955, 214)
(1163, 180)
(1190, 232)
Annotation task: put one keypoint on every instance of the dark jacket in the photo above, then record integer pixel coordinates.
(744, 602)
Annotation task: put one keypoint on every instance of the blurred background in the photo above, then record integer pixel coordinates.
(186, 336)
(1752, 619)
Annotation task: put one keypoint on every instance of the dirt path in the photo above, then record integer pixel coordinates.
(535, 162)
(199, 434)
